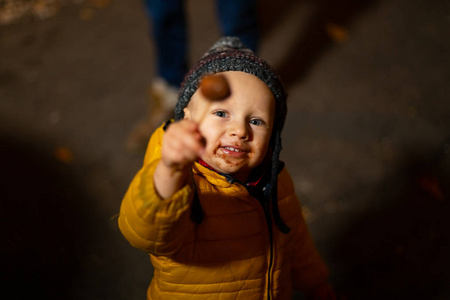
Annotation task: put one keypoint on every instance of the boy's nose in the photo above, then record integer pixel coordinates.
(239, 129)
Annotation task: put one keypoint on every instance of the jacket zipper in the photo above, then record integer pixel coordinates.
(266, 208)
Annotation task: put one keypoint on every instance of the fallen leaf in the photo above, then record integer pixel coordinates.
(101, 3)
(87, 13)
(63, 154)
(337, 33)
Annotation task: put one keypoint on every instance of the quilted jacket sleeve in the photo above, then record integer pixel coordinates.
(310, 273)
(155, 225)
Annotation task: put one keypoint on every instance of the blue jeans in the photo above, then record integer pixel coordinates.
(236, 18)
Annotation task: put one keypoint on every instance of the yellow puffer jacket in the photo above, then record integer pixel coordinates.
(232, 254)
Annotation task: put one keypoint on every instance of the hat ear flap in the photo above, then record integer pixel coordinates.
(277, 166)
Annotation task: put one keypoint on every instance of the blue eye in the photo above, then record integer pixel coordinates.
(256, 122)
(220, 113)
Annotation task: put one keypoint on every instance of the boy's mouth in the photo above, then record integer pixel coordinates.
(234, 151)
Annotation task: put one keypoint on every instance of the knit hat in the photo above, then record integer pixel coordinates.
(229, 54)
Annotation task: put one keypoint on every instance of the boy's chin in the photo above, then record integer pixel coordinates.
(241, 174)
(238, 170)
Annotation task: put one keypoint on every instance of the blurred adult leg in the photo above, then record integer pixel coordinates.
(168, 21)
(239, 18)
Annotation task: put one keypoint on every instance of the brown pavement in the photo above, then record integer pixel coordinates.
(367, 141)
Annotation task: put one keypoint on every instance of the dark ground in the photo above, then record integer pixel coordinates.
(365, 142)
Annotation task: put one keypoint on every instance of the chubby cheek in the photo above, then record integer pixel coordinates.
(211, 141)
(261, 153)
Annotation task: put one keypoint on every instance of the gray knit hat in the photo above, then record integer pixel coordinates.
(229, 54)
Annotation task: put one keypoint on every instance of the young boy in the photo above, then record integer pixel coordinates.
(213, 205)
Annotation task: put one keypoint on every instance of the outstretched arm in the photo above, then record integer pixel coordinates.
(155, 212)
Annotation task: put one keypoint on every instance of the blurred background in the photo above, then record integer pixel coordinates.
(367, 139)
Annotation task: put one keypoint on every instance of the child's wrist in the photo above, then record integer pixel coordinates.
(168, 179)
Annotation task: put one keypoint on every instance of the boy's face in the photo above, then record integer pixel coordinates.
(238, 129)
